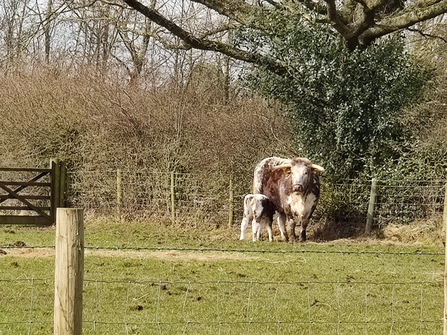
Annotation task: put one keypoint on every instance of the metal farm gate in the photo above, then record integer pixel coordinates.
(30, 195)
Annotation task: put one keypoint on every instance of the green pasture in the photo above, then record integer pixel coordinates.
(143, 278)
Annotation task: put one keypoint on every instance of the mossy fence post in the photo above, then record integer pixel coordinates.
(119, 193)
(231, 204)
(172, 184)
(69, 271)
(371, 206)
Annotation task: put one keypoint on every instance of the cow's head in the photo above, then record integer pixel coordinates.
(300, 172)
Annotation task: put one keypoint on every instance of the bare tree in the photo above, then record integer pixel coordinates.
(135, 35)
(47, 30)
(360, 23)
(110, 37)
(18, 23)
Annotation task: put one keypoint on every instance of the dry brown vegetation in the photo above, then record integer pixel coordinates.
(102, 124)
(98, 124)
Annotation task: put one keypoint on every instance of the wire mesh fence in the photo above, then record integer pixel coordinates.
(182, 196)
(148, 194)
(405, 201)
(158, 306)
(241, 308)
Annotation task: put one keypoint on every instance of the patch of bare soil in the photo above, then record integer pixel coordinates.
(330, 231)
(163, 255)
(417, 233)
(27, 252)
(172, 255)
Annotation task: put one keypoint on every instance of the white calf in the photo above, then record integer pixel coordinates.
(259, 210)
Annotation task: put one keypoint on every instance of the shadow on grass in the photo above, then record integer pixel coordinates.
(335, 230)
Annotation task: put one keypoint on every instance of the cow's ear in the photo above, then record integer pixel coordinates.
(317, 168)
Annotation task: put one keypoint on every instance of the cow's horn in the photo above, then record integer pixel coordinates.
(317, 168)
(282, 166)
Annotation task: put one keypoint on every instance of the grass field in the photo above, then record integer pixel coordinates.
(145, 278)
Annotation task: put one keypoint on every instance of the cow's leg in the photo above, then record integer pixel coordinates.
(269, 223)
(292, 229)
(304, 222)
(311, 203)
(244, 225)
(282, 226)
(269, 230)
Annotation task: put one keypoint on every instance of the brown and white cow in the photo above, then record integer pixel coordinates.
(293, 186)
(258, 210)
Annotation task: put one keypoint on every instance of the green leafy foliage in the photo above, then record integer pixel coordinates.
(345, 107)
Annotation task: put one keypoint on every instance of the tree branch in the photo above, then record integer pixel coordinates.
(427, 35)
(359, 22)
(335, 21)
(204, 44)
(237, 10)
(415, 13)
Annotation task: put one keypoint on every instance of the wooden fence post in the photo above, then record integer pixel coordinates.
(69, 271)
(444, 221)
(55, 186)
(62, 183)
(230, 205)
(59, 184)
(372, 204)
(173, 197)
(119, 194)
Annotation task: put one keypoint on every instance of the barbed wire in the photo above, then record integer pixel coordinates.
(416, 252)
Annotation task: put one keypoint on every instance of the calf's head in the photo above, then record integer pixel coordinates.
(300, 173)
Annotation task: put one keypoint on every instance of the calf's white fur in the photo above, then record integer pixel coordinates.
(258, 210)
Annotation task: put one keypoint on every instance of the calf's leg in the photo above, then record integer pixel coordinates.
(244, 225)
(256, 229)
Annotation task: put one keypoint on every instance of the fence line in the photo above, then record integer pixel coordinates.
(154, 306)
(317, 307)
(242, 251)
(184, 197)
(181, 196)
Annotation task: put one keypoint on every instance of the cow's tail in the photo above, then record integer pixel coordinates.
(257, 179)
